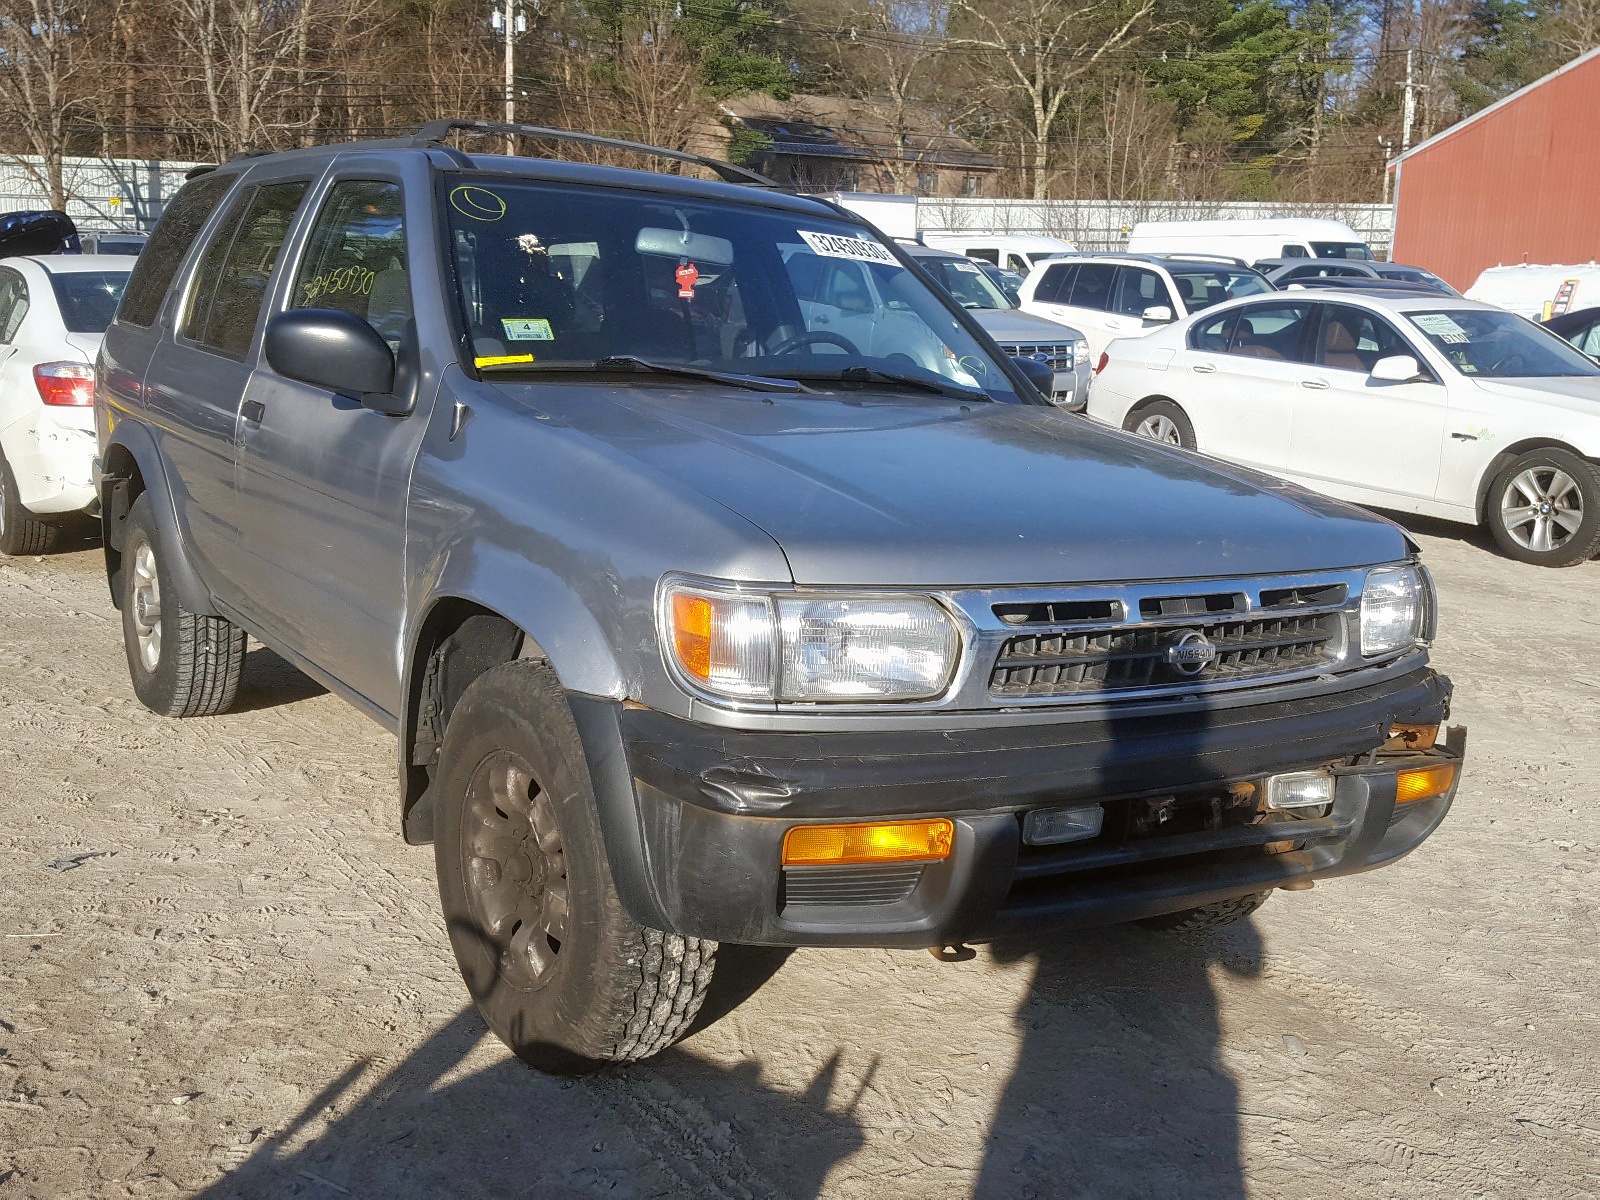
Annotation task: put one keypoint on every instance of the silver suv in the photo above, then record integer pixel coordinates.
(698, 619)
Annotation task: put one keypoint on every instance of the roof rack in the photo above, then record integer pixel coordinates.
(1229, 259)
(434, 133)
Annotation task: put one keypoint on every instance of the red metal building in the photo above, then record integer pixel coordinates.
(1517, 182)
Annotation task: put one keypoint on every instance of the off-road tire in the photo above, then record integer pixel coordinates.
(197, 660)
(1154, 411)
(1208, 916)
(20, 531)
(1577, 545)
(608, 990)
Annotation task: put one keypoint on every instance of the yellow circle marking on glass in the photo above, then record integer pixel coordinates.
(478, 203)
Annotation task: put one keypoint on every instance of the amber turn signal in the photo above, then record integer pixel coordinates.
(691, 631)
(878, 842)
(1424, 783)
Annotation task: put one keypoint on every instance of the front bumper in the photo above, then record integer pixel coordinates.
(694, 816)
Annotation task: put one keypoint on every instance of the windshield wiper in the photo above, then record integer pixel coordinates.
(755, 383)
(920, 383)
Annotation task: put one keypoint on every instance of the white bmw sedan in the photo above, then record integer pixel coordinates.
(1406, 401)
(54, 310)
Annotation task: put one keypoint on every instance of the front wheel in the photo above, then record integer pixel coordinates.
(1162, 421)
(559, 971)
(1545, 509)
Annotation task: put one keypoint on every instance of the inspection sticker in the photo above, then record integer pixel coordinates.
(1441, 326)
(527, 329)
(832, 245)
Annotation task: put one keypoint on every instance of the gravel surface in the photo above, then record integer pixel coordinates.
(222, 973)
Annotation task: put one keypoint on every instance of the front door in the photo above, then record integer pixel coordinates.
(321, 480)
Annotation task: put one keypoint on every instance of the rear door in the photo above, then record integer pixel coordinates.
(198, 377)
(1358, 437)
(322, 480)
(1252, 381)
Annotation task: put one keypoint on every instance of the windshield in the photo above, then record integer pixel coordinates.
(1499, 345)
(1008, 282)
(88, 299)
(554, 277)
(967, 284)
(1201, 287)
(1341, 250)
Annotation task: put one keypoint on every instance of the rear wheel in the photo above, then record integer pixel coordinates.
(558, 969)
(20, 531)
(182, 664)
(1545, 508)
(1208, 916)
(1162, 421)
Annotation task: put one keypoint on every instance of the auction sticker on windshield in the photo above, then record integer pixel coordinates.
(833, 245)
(1441, 327)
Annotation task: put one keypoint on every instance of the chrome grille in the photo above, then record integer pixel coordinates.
(1072, 663)
(1058, 354)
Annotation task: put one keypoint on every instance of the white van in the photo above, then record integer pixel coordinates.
(1019, 252)
(1539, 292)
(894, 216)
(1251, 239)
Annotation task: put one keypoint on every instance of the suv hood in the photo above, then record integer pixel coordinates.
(1014, 325)
(902, 491)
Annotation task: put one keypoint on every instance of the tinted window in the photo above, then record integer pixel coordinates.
(988, 256)
(1055, 285)
(1213, 336)
(1341, 250)
(88, 299)
(1202, 287)
(180, 225)
(231, 281)
(356, 258)
(1588, 340)
(1294, 252)
(1092, 288)
(1352, 339)
(13, 304)
(968, 286)
(1271, 331)
(1138, 290)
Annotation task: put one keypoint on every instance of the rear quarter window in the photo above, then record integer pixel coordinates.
(179, 226)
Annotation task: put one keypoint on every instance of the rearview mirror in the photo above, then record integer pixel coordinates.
(332, 349)
(1158, 312)
(1397, 368)
(680, 243)
(1038, 372)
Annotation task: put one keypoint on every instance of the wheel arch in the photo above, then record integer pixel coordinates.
(1505, 457)
(130, 467)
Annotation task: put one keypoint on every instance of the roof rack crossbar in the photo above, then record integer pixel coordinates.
(434, 133)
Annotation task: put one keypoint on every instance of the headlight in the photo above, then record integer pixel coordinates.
(1080, 352)
(788, 646)
(1394, 610)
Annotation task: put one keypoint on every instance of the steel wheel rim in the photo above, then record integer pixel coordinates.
(146, 606)
(1160, 428)
(1541, 509)
(516, 870)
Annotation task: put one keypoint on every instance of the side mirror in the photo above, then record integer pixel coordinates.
(1158, 313)
(1038, 371)
(336, 350)
(1397, 368)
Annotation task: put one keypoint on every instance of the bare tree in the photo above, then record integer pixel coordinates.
(44, 83)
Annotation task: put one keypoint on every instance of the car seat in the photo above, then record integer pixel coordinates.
(1341, 346)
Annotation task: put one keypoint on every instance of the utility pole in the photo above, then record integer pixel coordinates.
(510, 23)
(1387, 145)
(1410, 112)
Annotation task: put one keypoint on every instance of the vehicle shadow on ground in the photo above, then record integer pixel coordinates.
(269, 681)
(1119, 1088)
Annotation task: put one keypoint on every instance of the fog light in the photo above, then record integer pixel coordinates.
(1051, 826)
(1424, 783)
(883, 841)
(1300, 789)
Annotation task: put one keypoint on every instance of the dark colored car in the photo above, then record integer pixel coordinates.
(1581, 328)
(1284, 271)
(713, 596)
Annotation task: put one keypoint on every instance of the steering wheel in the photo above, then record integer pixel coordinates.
(820, 337)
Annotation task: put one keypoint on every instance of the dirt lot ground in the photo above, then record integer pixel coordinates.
(222, 973)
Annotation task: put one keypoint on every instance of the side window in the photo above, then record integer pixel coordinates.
(1092, 288)
(1019, 264)
(1588, 341)
(1055, 285)
(231, 281)
(1212, 336)
(179, 226)
(1138, 289)
(1293, 251)
(13, 304)
(1305, 273)
(1352, 339)
(1271, 331)
(356, 258)
(988, 256)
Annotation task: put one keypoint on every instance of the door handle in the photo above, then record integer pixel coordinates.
(1316, 384)
(1204, 368)
(253, 411)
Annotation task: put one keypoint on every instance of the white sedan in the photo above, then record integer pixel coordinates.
(1412, 402)
(54, 309)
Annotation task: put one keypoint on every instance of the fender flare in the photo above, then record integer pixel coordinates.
(139, 444)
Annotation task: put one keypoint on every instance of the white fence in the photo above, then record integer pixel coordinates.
(103, 194)
(1104, 224)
